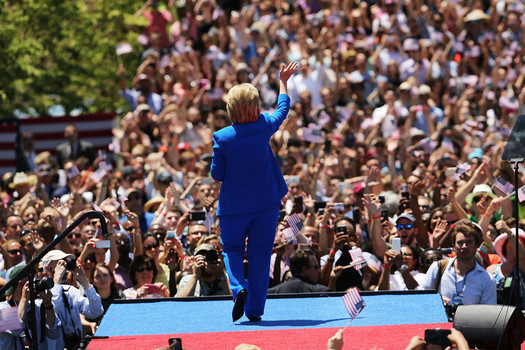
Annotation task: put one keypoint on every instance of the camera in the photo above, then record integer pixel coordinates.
(197, 216)
(71, 263)
(381, 199)
(43, 284)
(405, 194)
(210, 256)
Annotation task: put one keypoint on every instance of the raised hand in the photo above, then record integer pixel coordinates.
(286, 72)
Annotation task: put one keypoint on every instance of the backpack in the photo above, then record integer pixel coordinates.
(442, 266)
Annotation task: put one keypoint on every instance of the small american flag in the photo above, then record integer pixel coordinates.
(504, 186)
(461, 169)
(124, 48)
(289, 234)
(295, 223)
(521, 194)
(353, 302)
(97, 208)
(312, 135)
(357, 255)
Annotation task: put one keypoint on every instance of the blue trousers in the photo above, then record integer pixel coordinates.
(253, 234)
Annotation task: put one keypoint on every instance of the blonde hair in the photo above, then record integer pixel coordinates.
(243, 103)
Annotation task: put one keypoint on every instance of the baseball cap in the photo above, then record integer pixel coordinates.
(407, 216)
(12, 274)
(55, 255)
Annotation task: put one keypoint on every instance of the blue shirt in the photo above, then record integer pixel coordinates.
(476, 287)
(243, 160)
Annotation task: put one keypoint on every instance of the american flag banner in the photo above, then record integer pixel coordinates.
(312, 135)
(357, 255)
(353, 302)
(295, 223)
(504, 186)
(521, 194)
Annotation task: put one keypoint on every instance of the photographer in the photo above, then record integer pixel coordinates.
(47, 323)
(68, 300)
(209, 276)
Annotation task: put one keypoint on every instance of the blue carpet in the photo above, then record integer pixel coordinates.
(179, 316)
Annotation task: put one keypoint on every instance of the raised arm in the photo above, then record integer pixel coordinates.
(284, 74)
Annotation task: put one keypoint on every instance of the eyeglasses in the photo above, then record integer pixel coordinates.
(90, 259)
(129, 229)
(90, 231)
(14, 251)
(151, 246)
(94, 222)
(75, 235)
(407, 254)
(406, 226)
(144, 268)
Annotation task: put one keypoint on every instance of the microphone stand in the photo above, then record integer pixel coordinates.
(29, 269)
(516, 280)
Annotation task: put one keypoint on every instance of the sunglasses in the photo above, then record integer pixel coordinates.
(430, 261)
(94, 222)
(129, 229)
(144, 268)
(25, 232)
(401, 226)
(76, 235)
(151, 246)
(14, 251)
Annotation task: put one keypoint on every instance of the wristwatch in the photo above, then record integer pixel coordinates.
(403, 268)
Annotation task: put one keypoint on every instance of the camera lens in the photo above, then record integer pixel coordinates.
(43, 284)
(212, 256)
(71, 263)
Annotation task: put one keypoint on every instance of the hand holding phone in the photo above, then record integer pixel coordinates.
(152, 289)
(437, 336)
(396, 244)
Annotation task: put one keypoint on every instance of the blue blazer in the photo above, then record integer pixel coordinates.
(244, 162)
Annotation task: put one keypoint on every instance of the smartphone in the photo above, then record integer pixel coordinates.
(339, 207)
(384, 215)
(104, 244)
(318, 205)
(171, 235)
(282, 213)
(341, 228)
(381, 199)
(152, 289)
(327, 146)
(197, 216)
(175, 343)
(321, 211)
(206, 181)
(298, 200)
(437, 336)
(357, 215)
(396, 244)
(405, 194)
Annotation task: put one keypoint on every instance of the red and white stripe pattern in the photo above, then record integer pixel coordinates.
(521, 194)
(289, 235)
(357, 258)
(504, 186)
(48, 133)
(313, 135)
(295, 223)
(353, 302)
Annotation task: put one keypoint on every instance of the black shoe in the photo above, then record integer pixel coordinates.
(254, 319)
(238, 308)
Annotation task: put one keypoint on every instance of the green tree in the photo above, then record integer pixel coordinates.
(57, 51)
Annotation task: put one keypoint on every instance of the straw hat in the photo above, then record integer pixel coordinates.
(475, 15)
(479, 190)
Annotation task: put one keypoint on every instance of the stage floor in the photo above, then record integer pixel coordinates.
(388, 321)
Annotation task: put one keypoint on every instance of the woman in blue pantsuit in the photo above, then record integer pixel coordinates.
(251, 192)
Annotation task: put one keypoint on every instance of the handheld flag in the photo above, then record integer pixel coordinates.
(353, 302)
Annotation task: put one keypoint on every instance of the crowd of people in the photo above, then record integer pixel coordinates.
(400, 112)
